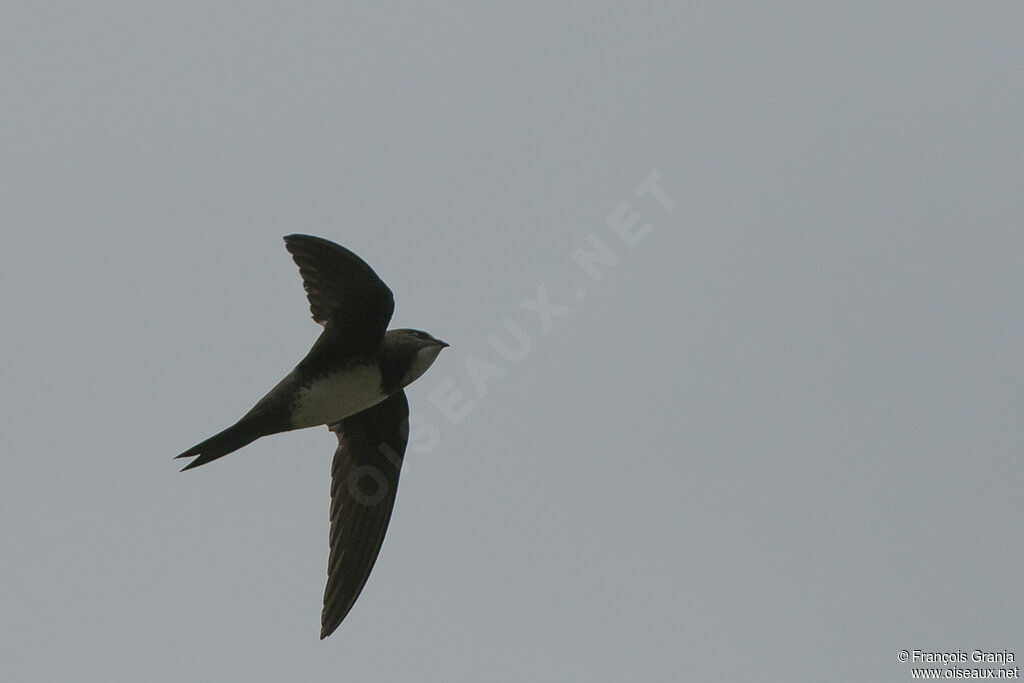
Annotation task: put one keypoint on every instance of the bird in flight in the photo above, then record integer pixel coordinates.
(352, 380)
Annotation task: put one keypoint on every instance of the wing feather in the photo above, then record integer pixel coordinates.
(345, 295)
(364, 479)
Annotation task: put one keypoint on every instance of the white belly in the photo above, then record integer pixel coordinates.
(332, 397)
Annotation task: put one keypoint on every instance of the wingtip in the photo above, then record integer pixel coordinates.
(298, 236)
(329, 627)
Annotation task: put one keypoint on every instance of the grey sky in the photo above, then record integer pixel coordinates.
(778, 440)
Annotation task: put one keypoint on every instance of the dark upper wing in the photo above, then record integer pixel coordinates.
(364, 478)
(345, 295)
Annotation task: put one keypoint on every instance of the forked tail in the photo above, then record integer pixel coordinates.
(231, 439)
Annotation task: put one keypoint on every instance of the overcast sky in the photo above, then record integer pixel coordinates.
(768, 428)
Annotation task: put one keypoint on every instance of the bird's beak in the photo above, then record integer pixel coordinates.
(444, 345)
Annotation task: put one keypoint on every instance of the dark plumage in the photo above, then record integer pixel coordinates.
(352, 379)
(364, 480)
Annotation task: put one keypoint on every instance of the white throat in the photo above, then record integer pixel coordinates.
(423, 359)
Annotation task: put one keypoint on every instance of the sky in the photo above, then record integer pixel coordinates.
(732, 291)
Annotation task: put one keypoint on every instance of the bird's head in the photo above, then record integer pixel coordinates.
(416, 348)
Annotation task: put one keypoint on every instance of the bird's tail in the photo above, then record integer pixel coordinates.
(231, 439)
